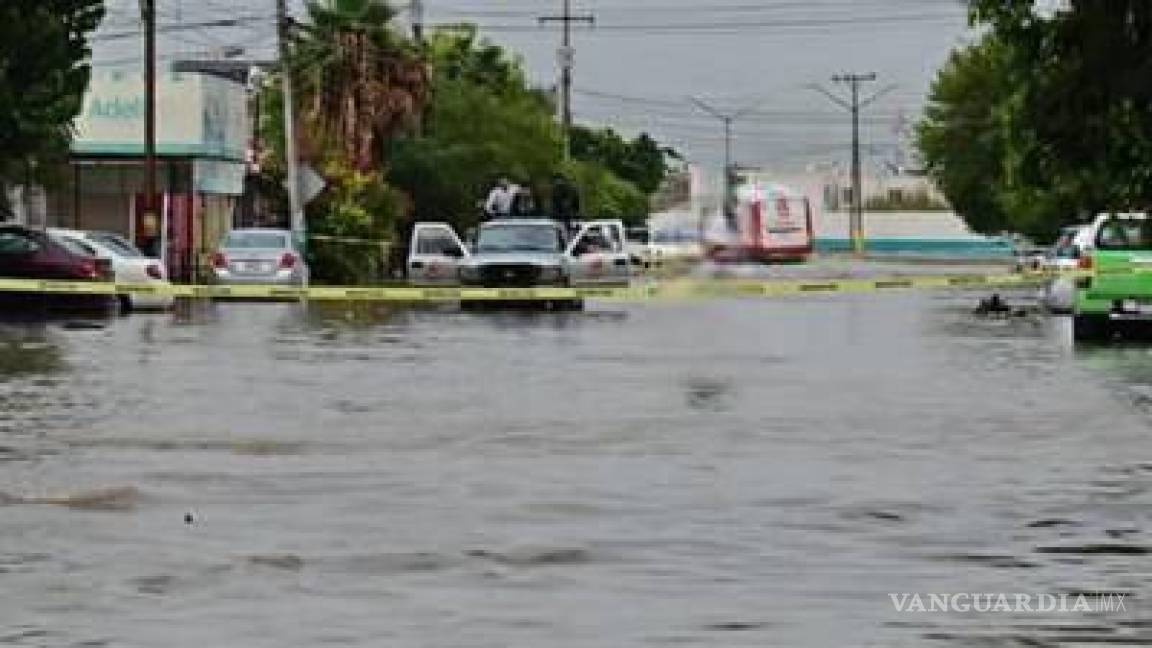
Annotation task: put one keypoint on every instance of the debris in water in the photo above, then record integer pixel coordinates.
(120, 498)
(286, 562)
(995, 305)
(83, 326)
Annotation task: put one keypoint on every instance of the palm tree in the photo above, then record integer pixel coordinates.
(361, 83)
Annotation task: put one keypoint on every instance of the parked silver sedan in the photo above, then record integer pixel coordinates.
(259, 256)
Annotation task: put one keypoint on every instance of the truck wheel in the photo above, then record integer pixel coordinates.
(1091, 328)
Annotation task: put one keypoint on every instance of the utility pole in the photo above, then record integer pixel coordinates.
(291, 158)
(854, 105)
(416, 9)
(567, 57)
(729, 168)
(150, 217)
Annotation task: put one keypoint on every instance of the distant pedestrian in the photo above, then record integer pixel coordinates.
(565, 200)
(148, 235)
(500, 199)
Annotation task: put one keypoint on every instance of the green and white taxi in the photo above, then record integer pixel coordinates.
(1116, 295)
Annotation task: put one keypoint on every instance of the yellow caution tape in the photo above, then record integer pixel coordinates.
(668, 290)
(350, 240)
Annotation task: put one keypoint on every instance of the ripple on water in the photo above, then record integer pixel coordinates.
(283, 562)
(113, 499)
(709, 394)
(994, 561)
(383, 563)
(534, 556)
(737, 626)
(1096, 549)
(25, 636)
(155, 585)
(250, 447)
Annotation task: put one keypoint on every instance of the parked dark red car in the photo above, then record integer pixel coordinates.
(31, 254)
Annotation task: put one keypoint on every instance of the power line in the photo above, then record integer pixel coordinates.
(178, 27)
(666, 9)
(669, 109)
(743, 26)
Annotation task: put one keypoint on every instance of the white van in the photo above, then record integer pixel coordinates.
(771, 223)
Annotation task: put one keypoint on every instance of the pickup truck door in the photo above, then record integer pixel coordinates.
(597, 255)
(434, 255)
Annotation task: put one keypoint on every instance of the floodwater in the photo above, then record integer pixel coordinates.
(724, 473)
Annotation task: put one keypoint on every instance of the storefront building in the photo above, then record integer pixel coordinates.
(202, 135)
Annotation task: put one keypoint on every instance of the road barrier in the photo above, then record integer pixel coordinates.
(653, 291)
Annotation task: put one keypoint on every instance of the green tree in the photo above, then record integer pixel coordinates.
(606, 195)
(462, 56)
(484, 122)
(641, 161)
(44, 73)
(1073, 109)
(960, 139)
(360, 83)
(357, 206)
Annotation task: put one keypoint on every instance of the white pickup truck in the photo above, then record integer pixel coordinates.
(521, 254)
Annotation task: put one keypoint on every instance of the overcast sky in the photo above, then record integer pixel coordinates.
(636, 68)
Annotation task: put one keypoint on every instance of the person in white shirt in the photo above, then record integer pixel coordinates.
(499, 202)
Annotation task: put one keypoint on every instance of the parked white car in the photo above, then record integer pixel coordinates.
(1072, 251)
(676, 246)
(641, 251)
(259, 256)
(129, 265)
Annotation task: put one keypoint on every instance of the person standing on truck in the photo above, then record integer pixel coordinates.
(499, 202)
(523, 203)
(565, 201)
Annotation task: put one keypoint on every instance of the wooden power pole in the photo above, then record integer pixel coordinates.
(854, 105)
(291, 158)
(150, 216)
(567, 58)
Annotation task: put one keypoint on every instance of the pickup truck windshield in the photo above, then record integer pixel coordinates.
(520, 238)
(1125, 234)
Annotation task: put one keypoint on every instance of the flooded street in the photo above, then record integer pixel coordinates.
(721, 473)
